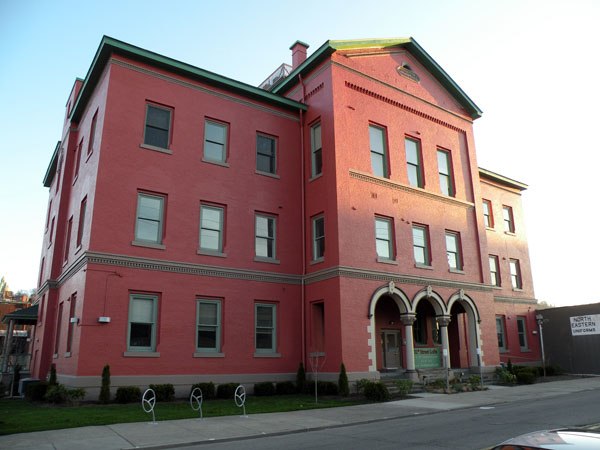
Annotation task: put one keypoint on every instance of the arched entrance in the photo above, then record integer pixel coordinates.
(429, 329)
(463, 331)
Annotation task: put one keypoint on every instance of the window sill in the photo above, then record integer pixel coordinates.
(387, 261)
(68, 355)
(211, 253)
(517, 289)
(459, 271)
(148, 245)
(78, 249)
(510, 233)
(134, 354)
(490, 229)
(55, 356)
(423, 266)
(209, 355)
(501, 350)
(64, 264)
(156, 149)
(267, 355)
(496, 287)
(315, 177)
(266, 260)
(267, 174)
(317, 261)
(525, 350)
(216, 163)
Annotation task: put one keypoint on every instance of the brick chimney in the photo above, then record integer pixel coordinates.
(298, 49)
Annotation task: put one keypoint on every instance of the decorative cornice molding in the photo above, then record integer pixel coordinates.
(524, 301)
(313, 92)
(202, 89)
(402, 187)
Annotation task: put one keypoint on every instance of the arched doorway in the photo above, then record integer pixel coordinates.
(463, 331)
(427, 332)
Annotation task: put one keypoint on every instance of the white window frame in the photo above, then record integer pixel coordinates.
(217, 327)
(494, 262)
(509, 219)
(454, 254)
(501, 332)
(424, 247)
(154, 325)
(384, 235)
(488, 214)
(318, 249)
(316, 150)
(220, 230)
(223, 126)
(516, 279)
(444, 158)
(270, 240)
(412, 165)
(271, 329)
(161, 219)
(522, 333)
(379, 168)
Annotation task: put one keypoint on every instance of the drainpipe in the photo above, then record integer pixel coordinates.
(303, 213)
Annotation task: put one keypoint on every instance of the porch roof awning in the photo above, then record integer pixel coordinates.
(25, 316)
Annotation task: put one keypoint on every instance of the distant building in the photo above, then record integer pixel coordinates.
(202, 229)
(14, 334)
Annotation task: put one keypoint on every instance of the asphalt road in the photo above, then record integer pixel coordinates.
(473, 428)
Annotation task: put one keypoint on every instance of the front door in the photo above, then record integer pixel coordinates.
(391, 349)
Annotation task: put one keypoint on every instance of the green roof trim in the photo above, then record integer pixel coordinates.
(109, 46)
(51, 170)
(493, 176)
(24, 316)
(409, 44)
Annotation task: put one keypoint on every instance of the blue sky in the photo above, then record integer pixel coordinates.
(531, 66)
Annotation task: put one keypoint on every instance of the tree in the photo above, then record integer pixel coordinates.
(105, 389)
(343, 387)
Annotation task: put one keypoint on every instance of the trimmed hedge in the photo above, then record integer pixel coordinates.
(128, 394)
(36, 390)
(226, 390)
(164, 392)
(264, 389)
(285, 388)
(376, 391)
(324, 388)
(208, 390)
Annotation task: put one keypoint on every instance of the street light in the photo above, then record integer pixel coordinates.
(540, 320)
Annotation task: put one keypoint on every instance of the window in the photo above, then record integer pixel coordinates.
(149, 224)
(211, 228)
(377, 140)
(420, 330)
(316, 150)
(445, 173)
(509, 223)
(141, 333)
(208, 325)
(72, 322)
(264, 243)
(158, 125)
(265, 330)
(383, 238)
(77, 161)
(318, 232)
(265, 154)
(90, 148)
(81, 226)
(68, 239)
(59, 315)
(453, 250)
(48, 214)
(413, 162)
(488, 215)
(215, 141)
(500, 333)
(522, 332)
(51, 232)
(494, 271)
(515, 274)
(41, 272)
(421, 245)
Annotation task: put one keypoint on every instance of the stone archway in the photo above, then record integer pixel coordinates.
(430, 330)
(464, 332)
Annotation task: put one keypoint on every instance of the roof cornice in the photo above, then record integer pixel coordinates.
(493, 176)
(409, 44)
(51, 170)
(110, 46)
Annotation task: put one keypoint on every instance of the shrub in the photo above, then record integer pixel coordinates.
(52, 378)
(376, 391)
(475, 381)
(526, 375)
(324, 388)
(505, 376)
(510, 368)
(360, 385)
(301, 379)
(75, 395)
(285, 388)
(35, 391)
(404, 387)
(343, 387)
(105, 389)
(264, 389)
(128, 394)
(226, 390)
(56, 393)
(164, 392)
(16, 379)
(208, 390)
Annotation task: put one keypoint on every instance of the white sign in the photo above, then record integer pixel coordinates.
(582, 325)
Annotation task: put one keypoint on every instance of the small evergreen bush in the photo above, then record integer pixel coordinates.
(505, 376)
(208, 390)
(35, 391)
(360, 385)
(75, 395)
(226, 390)
(128, 394)
(56, 393)
(404, 387)
(285, 388)
(475, 381)
(164, 392)
(105, 389)
(343, 387)
(301, 379)
(525, 375)
(264, 389)
(376, 391)
(52, 380)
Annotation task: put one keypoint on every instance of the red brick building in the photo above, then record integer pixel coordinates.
(202, 229)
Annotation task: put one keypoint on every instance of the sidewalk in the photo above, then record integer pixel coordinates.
(196, 431)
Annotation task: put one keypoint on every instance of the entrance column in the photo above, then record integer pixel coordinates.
(407, 321)
(443, 322)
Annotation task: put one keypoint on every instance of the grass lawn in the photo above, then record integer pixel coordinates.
(20, 416)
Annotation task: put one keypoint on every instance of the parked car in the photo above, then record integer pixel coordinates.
(560, 439)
